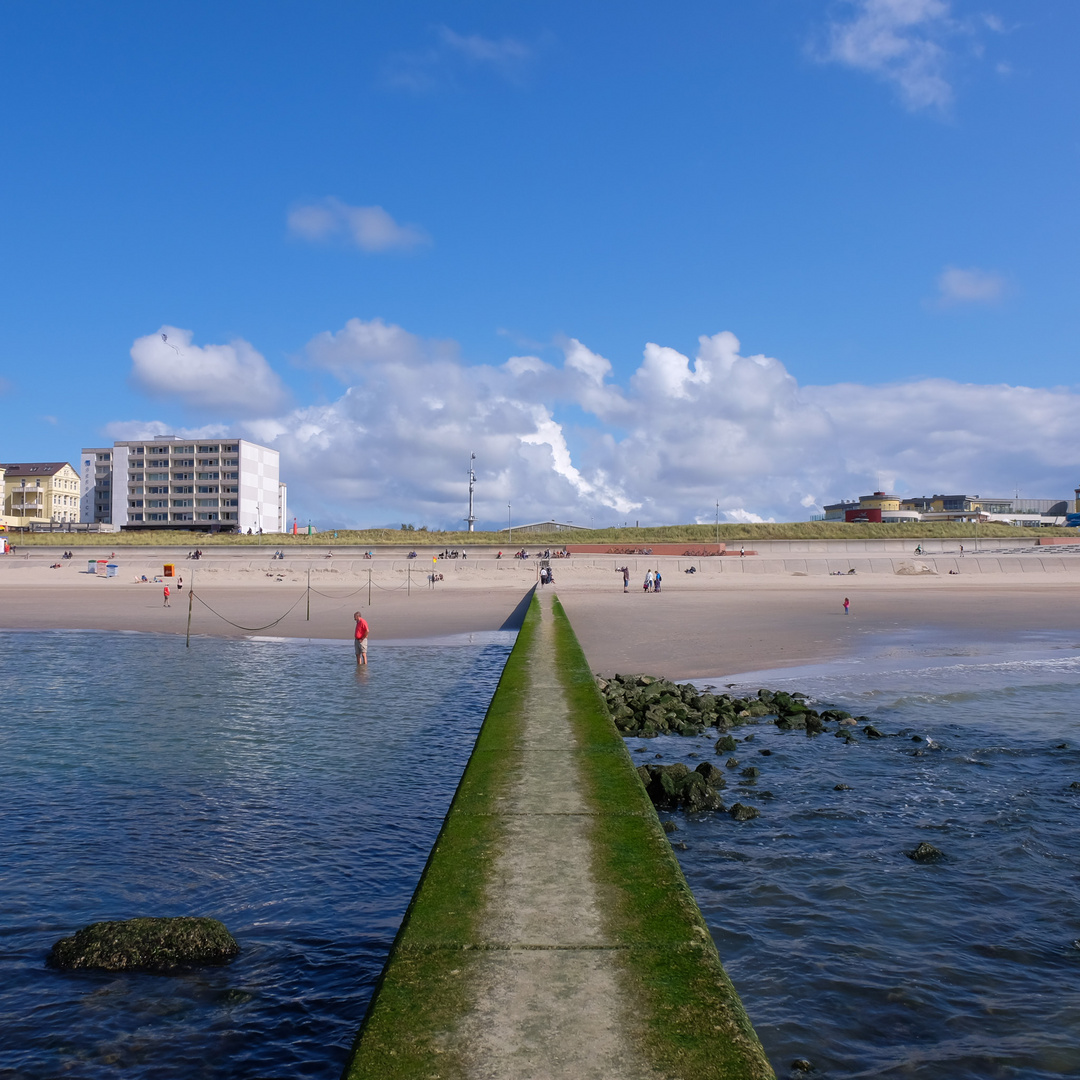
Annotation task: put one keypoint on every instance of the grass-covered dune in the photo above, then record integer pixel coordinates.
(426, 539)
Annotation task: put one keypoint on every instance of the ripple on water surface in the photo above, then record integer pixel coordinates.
(266, 783)
(845, 951)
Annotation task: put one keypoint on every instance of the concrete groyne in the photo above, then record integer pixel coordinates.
(552, 933)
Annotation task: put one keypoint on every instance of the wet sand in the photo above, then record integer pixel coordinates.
(709, 623)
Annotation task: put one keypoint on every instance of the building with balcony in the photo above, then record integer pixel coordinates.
(175, 483)
(39, 493)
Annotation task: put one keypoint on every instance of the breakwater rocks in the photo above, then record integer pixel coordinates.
(646, 706)
(148, 944)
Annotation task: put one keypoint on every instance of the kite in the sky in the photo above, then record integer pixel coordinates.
(165, 338)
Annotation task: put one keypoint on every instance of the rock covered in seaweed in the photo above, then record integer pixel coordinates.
(646, 706)
(146, 944)
(672, 787)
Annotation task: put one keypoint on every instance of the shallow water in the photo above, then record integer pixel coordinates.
(849, 954)
(266, 783)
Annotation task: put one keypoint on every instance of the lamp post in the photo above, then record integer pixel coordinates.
(718, 521)
(509, 526)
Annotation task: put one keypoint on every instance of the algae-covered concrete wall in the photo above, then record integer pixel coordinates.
(552, 932)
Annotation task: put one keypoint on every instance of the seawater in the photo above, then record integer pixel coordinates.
(847, 953)
(269, 784)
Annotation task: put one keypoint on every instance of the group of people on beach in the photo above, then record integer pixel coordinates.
(651, 583)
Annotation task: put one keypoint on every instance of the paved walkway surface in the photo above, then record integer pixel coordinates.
(551, 999)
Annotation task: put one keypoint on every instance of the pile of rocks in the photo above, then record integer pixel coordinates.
(646, 706)
(674, 787)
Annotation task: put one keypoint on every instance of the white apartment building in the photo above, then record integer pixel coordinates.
(174, 483)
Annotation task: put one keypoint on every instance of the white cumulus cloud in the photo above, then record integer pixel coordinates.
(370, 228)
(436, 66)
(234, 378)
(568, 439)
(971, 286)
(900, 42)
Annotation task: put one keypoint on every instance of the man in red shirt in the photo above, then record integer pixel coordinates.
(361, 637)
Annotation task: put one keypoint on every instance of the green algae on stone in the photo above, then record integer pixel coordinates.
(146, 944)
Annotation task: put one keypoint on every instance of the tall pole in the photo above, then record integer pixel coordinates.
(718, 521)
(309, 594)
(471, 519)
(509, 526)
(408, 588)
(369, 586)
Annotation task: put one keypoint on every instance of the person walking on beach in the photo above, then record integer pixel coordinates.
(166, 604)
(360, 638)
(648, 580)
(626, 579)
(847, 605)
(656, 582)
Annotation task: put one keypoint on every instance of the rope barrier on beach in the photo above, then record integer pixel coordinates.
(247, 629)
(317, 592)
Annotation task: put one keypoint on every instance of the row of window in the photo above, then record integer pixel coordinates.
(207, 515)
(182, 489)
(163, 503)
(207, 448)
(158, 477)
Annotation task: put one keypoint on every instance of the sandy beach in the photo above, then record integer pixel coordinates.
(730, 615)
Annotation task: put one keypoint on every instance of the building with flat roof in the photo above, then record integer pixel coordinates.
(887, 509)
(169, 482)
(39, 493)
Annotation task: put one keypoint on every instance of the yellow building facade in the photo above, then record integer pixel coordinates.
(40, 492)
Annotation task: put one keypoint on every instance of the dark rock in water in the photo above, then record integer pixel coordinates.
(918, 753)
(916, 738)
(749, 737)
(676, 787)
(814, 725)
(751, 770)
(802, 1065)
(159, 945)
(681, 845)
(872, 732)
(744, 813)
(765, 753)
(732, 763)
(1062, 746)
(714, 777)
(849, 721)
(670, 827)
(1075, 785)
(726, 744)
(842, 787)
(925, 852)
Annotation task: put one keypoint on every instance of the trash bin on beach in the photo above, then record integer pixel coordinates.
(169, 568)
(91, 566)
(111, 570)
(101, 567)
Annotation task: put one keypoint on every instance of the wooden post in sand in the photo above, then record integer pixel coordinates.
(408, 588)
(190, 601)
(369, 586)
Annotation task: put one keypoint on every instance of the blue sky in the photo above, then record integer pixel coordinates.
(352, 217)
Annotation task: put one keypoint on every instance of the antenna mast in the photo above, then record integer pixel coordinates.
(471, 519)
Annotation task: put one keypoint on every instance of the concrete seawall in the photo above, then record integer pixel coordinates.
(552, 933)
